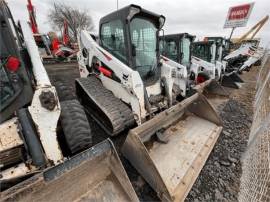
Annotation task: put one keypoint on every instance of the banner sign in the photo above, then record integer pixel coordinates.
(238, 15)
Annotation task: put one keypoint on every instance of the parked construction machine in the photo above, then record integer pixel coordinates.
(176, 48)
(245, 50)
(54, 49)
(244, 57)
(228, 78)
(127, 85)
(41, 138)
(206, 59)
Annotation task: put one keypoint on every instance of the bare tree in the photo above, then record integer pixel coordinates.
(76, 19)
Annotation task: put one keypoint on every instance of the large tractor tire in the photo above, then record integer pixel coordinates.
(75, 126)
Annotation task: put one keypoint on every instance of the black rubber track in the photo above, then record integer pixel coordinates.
(64, 91)
(75, 126)
(113, 115)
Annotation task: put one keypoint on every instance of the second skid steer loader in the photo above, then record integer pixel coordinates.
(228, 78)
(125, 84)
(204, 56)
(177, 48)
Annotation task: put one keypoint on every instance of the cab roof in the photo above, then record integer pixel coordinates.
(128, 12)
(178, 36)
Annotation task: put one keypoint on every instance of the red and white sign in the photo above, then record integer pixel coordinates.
(238, 15)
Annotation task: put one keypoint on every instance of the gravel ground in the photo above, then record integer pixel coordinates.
(220, 177)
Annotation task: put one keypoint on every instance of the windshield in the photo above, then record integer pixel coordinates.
(202, 51)
(144, 42)
(112, 39)
(170, 50)
(185, 47)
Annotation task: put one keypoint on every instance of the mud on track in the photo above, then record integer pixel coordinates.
(220, 177)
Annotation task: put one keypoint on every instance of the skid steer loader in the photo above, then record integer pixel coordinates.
(126, 84)
(177, 47)
(205, 56)
(38, 134)
(229, 78)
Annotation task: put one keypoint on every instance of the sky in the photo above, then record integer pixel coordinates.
(197, 17)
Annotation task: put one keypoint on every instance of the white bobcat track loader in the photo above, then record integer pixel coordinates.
(34, 154)
(228, 78)
(177, 49)
(204, 63)
(130, 68)
(125, 83)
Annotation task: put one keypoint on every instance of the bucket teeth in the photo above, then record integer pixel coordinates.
(161, 137)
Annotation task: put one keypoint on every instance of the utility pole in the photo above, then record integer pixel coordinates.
(231, 33)
(117, 4)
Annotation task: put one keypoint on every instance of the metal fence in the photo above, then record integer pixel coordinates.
(255, 180)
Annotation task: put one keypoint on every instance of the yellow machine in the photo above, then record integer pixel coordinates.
(252, 33)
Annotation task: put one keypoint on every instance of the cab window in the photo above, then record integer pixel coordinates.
(112, 39)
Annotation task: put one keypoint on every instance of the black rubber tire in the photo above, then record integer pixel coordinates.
(64, 91)
(76, 128)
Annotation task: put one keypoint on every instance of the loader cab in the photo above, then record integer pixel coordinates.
(15, 67)
(222, 46)
(131, 34)
(177, 47)
(205, 50)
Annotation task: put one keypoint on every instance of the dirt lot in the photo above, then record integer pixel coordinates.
(219, 179)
